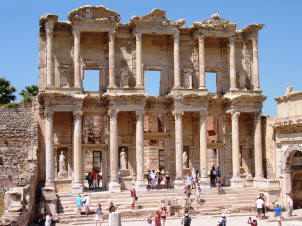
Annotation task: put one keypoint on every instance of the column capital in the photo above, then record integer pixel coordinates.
(48, 114)
(76, 33)
(111, 34)
(140, 115)
(235, 115)
(176, 36)
(257, 116)
(177, 114)
(112, 114)
(203, 115)
(232, 40)
(200, 37)
(77, 114)
(138, 36)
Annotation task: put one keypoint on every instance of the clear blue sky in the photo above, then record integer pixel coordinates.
(280, 45)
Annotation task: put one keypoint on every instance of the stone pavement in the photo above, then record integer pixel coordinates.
(296, 220)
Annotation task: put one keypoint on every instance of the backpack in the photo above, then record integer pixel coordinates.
(222, 222)
(187, 219)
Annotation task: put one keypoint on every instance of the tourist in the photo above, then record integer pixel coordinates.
(197, 176)
(79, 204)
(163, 215)
(188, 191)
(213, 176)
(133, 197)
(198, 195)
(48, 219)
(159, 179)
(168, 179)
(259, 206)
(90, 180)
(157, 218)
(278, 213)
(120, 179)
(98, 215)
(219, 184)
(153, 179)
(186, 219)
(94, 179)
(189, 179)
(86, 202)
(222, 221)
(42, 219)
(149, 177)
(218, 171)
(264, 204)
(290, 205)
(194, 179)
(252, 222)
(150, 222)
(111, 208)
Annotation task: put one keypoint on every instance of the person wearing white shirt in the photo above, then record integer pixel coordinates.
(259, 206)
(86, 202)
(48, 219)
(290, 205)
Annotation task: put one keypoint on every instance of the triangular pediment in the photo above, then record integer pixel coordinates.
(216, 23)
(94, 13)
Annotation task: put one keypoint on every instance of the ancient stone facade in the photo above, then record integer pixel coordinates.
(119, 122)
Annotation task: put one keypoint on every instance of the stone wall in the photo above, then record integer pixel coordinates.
(18, 161)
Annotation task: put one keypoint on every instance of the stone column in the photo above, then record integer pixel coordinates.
(77, 59)
(104, 169)
(139, 69)
(113, 185)
(236, 181)
(112, 83)
(140, 180)
(178, 184)
(49, 152)
(77, 186)
(70, 163)
(203, 139)
(176, 61)
(255, 64)
(258, 147)
(49, 54)
(232, 64)
(201, 53)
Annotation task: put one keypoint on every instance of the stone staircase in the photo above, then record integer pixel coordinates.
(233, 200)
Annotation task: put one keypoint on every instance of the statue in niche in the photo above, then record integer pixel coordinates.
(62, 166)
(188, 78)
(243, 80)
(123, 159)
(185, 157)
(124, 78)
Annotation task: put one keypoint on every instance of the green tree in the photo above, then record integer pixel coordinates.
(6, 91)
(29, 92)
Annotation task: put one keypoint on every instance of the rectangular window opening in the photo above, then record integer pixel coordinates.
(211, 82)
(152, 82)
(91, 80)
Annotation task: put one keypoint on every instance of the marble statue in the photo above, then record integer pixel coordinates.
(123, 159)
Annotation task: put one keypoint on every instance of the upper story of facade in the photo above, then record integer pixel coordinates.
(94, 39)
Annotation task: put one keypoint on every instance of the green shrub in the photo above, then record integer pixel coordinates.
(11, 105)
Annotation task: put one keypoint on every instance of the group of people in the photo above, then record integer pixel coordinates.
(93, 179)
(155, 179)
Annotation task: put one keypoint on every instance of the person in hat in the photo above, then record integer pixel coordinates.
(278, 213)
(222, 221)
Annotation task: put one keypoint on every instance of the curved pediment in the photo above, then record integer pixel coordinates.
(215, 23)
(156, 17)
(94, 13)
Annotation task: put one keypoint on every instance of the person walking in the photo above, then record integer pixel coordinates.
(188, 191)
(198, 195)
(189, 179)
(219, 184)
(90, 180)
(194, 179)
(79, 204)
(86, 202)
(168, 179)
(120, 180)
(98, 215)
(133, 197)
(163, 215)
(186, 219)
(48, 219)
(222, 221)
(278, 213)
(157, 218)
(213, 176)
(290, 205)
(264, 204)
(259, 206)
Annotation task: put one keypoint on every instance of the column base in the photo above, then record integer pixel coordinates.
(236, 182)
(77, 188)
(204, 183)
(139, 86)
(112, 87)
(114, 186)
(203, 88)
(179, 185)
(50, 184)
(141, 186)
(234, 89)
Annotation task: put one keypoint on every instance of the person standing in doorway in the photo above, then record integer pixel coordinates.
(94, 179)
(90, 180)
(290, 205)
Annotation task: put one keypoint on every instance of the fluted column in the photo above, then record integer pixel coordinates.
(139, 69)
(49, 54)
(201, 53)
(177, 83)
(113, 185)
(255, 64)
(76, 59)
(203, 147)
(141, 182)
(232, 64)
(236, 180)
(178, 149)
(258, 147)
(49, 152)
(112, 83)
(104, 168)
(77, 153)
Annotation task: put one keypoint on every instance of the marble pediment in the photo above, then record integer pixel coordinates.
(216, 23)
(94, 14)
